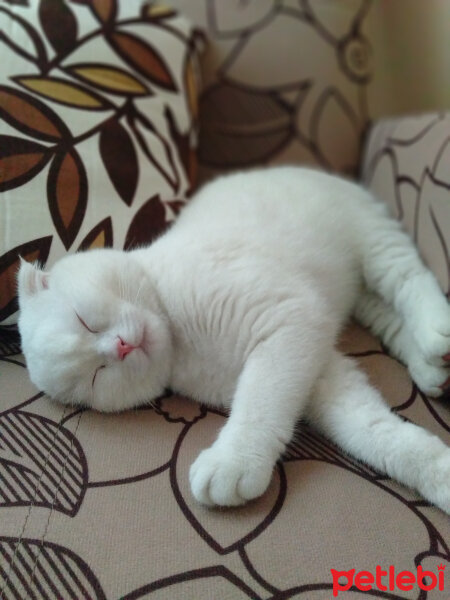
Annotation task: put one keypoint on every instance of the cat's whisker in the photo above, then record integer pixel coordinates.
(138, 291)
(121, 287)
(126, 289)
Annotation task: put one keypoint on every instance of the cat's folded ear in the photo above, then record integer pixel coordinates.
(31, 280)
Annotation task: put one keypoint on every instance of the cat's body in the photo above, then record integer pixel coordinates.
(239, 305)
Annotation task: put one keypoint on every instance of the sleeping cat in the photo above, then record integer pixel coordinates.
(239, 305)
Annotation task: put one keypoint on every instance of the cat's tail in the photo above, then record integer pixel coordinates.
(351, 412)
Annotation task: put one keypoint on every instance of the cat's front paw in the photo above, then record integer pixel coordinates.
(431, 379)
(429, 365)
(222, 477)
(433, 336)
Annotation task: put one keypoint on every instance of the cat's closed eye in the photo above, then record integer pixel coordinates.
(84, 324)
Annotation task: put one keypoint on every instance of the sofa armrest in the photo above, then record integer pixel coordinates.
(406, 163)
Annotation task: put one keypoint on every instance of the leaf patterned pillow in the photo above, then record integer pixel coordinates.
(98, 124)
(285, 81)
(406, 162)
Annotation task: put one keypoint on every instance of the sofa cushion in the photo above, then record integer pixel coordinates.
(98, 505)
(406, 163)
(284, 82)
(98, 118)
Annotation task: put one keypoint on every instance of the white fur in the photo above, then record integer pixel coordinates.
(239, 305)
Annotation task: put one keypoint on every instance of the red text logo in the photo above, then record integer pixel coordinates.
(388, 580)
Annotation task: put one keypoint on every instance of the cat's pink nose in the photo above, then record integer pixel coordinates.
(123, 348)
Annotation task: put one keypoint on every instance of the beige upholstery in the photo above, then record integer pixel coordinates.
(417, 191)
(284, 82)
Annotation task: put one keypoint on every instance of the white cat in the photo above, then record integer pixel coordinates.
(239, 305)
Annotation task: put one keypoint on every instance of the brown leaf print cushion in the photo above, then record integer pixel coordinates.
(98, 127)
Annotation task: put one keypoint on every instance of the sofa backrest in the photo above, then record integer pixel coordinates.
(284, 82)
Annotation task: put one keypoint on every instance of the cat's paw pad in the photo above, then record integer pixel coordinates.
(434, 347)
(431, 380)
(433, 337)
(222, 477)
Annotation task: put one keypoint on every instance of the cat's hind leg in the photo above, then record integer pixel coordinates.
(392, 268)
(349, 411)
(382, 319)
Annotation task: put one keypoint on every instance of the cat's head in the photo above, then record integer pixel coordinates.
(93, 331)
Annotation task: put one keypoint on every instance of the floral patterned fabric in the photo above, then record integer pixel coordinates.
(98, 113)
(285, 81)
(98, 506)
(407, 163)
